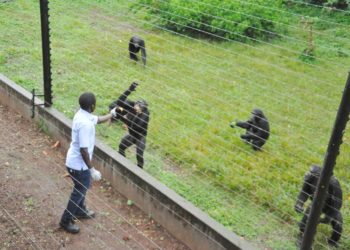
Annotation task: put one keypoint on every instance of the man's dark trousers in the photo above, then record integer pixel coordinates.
(76, 203)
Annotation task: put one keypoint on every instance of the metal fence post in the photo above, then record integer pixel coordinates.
(328, 165)
(45, 35)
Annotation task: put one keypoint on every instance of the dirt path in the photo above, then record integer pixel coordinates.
(34, 193)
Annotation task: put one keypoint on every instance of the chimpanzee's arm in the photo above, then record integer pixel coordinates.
(122, 100)
(305, 192)
(245, 125)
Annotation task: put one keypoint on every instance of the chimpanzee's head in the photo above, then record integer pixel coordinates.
(140, 106)
(315, 170)
(258, 114)
(87, 102)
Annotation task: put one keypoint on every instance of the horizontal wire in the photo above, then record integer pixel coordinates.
(274, 79)
(288, 120)
(231, 206)
(95, 195)
(281, 94)
(228, 51)
(273, 21)
(125, 176)
(84, 80)
(27, 238)
(107, 205)
(125, 220)
(319, 6)
(10, 199)
(164, 205)
(262, 29)
(244, 36)
(292, 13)
(174, 212)
(32, 216)
(276, 208)
(250, 46)
(15, 139)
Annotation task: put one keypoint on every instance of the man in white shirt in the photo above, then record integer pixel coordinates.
(78, 160)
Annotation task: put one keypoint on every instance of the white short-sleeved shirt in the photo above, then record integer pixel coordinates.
(83, 136)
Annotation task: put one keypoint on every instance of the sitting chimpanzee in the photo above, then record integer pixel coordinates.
(257, 129)
(136, 116)
(331, 208)
(135, 45)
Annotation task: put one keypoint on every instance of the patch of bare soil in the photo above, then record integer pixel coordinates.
(34, 193)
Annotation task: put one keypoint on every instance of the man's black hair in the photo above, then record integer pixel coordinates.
(87, 100)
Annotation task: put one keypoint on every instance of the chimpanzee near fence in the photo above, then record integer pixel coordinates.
(201, 75)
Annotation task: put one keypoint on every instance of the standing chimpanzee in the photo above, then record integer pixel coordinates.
(257, 129)
(136, 116)
(135, 44)
(331, 208)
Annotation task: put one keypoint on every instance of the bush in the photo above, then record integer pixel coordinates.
(339, 4)
(214, 18)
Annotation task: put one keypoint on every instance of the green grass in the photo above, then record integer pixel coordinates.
(194, 89)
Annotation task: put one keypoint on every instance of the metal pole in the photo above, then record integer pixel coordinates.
(327, 169)
(45, 35)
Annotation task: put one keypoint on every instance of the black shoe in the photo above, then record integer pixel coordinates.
(70, 227)
(88, 214)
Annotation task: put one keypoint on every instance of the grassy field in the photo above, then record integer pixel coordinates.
(195, 88)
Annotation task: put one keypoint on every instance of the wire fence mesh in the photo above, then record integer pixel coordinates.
(196, 83)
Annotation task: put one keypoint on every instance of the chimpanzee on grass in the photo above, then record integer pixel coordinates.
(257, 129)
(136, 116)
(331, 208)
(135, 45)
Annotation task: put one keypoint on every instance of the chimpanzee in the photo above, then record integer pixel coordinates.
(331, 208)
(135, 44)
(257, 129)
(136, 116)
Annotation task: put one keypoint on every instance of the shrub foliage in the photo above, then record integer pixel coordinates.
(339, 4)
(238, 20)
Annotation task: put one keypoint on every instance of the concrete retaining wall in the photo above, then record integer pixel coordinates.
(186, 222)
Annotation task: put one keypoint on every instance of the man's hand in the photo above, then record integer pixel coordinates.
(95, 174)
(116, 112)
(113, 112)
(133, 86)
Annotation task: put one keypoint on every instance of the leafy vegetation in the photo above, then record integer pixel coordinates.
(195, 88)
(229, 19)
(340, 4)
